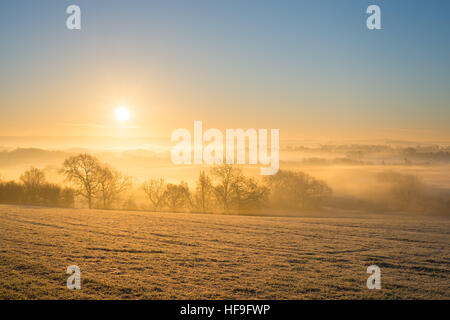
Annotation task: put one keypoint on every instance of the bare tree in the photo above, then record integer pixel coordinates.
(226, 176)
(296, 190)
(82, 171)
(33, 179)
(204, 192)
(177, 196)
(111, 184)
(155, 191)
(248, 194)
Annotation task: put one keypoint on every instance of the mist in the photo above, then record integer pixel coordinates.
(361, 178)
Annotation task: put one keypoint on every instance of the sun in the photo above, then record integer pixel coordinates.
(122, 114)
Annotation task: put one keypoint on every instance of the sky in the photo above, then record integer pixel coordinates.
(309, 68)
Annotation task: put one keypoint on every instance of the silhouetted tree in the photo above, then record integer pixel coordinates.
(33, 180)
(177, 196)
(248, 194)
(82, 171)
(111, 184)
(12, 192)
(225, 176)
(155, 191)
(296, 190)
(204, 192)
(45, 194)
(50, 194)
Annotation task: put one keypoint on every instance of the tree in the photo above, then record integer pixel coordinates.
(12, 192)
(248, 194)
(204, 192)
(402, 191)
(155, 191)
(67, 198)
(226, 177)
(34, 190)
(177, 196)
(50, 194)
(296, 190)
(33, 179)
(111, 184)
(82, 171)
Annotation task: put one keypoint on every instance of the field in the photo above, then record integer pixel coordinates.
(147, 255)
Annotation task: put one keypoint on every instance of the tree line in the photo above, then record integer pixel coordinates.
(223, 188)
(34, 189)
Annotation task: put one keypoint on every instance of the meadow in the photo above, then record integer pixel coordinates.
(161, 255)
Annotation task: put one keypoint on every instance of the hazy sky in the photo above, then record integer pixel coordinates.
(310, 68)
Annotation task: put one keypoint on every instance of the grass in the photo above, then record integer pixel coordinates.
(143, 255)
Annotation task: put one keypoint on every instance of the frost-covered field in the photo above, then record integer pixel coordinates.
(146, 255)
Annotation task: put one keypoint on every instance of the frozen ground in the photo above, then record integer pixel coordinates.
(146, 255)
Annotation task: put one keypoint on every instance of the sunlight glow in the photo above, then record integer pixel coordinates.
(122, 114)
